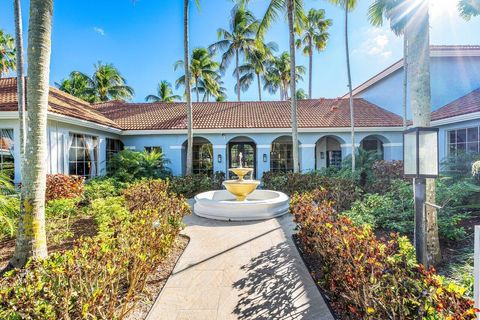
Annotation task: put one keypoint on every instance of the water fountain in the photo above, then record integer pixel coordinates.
(241, 201)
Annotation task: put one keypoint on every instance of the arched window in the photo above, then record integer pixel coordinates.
(281, 155)
(248, 148)
(374, 144)
(202, 156)
(328, 152)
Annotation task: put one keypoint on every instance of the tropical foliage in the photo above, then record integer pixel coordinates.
(164, 93)
(469, 8)
(278, 77)
(7, 53)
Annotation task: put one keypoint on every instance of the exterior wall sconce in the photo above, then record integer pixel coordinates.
(219, 158)
(264, 157)
(322, 155)
(420, 159)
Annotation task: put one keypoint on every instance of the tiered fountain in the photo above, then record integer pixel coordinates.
(241, 201)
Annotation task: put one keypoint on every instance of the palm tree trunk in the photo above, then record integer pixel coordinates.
(418, 38)
(405, 79)
(237, 74)
(310, 70)
(196, 89)
(20, 74)
(259, 87)
(293, 78)
(31, 239)
(189, 160)
(350, 95)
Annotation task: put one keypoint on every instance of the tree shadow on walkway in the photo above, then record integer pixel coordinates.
(272, 288)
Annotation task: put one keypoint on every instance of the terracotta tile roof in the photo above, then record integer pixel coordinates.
(59, 102)
(320, 113)
(467, 104)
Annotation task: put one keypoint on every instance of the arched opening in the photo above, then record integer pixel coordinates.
(202, 156)
(328, 152)
(248, 148)
(281, 155)
(374, 143)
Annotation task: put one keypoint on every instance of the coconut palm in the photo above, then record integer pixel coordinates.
(202, 68)
(31, 237)
(212, 88)
(240, 39)
(77, 84)
(349, 5)
(17, 8)
(257, 62)
(278, 76)
(301, 95)
(313, 35)
(469, 8)
(164, 93)
(7, 53)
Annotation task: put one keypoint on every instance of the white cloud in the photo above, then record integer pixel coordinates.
(377, 42)
(99, 30)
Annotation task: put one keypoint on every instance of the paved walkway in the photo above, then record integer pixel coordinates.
(240, 270)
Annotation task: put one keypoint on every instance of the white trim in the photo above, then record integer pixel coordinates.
(307, 145)
(8, 115)
(130, 147)
(393, 144)
(176, 147)
(260, 130)
(264, 146)
(456, 119)
(219, 146)
(82, 123)
(349, 145)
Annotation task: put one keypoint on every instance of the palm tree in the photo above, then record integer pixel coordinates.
(212, 88)
(77, 84)
(7, 53)
(240, 39)
(301, 95)
(295, 14)
(313, 35)
(31, 237)
(349, 5)
(202, 68)
(257, 63)
(469, 8)
(17, 8)
(164, 93)
(278, 75)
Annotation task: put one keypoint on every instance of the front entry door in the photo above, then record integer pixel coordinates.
(248, 151)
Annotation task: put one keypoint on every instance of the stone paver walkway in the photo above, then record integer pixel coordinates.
(240, 270)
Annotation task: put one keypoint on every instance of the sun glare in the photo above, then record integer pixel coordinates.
(443, 7)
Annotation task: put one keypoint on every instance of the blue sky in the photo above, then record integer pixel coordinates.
(143, 39)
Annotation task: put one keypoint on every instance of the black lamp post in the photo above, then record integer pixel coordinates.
(420, 158)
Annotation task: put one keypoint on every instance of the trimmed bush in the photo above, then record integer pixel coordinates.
(367, 278)
(102, 277)
(190, 186)
(60, 186)
(384, 173)
(102, 187)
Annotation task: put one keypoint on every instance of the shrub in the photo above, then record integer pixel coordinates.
(459, 165)
(191, 185)
(103, 188)
(367, 278)
(61, 186)
(102, 277)
(384, 173)
(129, 165)
(105, 211)
(9, 207)
(59, 214)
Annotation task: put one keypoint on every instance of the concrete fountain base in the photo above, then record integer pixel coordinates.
(259, 205)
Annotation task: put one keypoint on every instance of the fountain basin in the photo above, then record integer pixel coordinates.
(259, 205)
(241, 188)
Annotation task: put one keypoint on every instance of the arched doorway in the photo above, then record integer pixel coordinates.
(202, 156)
(248, 148)
(374, 143)
(328, 152)
(281, 155)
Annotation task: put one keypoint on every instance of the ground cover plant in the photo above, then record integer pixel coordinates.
(102, 276)
(368, 278)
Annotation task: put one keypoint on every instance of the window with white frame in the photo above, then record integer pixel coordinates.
(6, 152)
(83, 155)
(465, 140)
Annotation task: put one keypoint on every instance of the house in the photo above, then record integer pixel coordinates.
(82, 137)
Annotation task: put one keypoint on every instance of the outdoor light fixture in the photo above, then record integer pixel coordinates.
(264, 157)
(420, 161)
(322, 155)
(219, 158)
(420, 152)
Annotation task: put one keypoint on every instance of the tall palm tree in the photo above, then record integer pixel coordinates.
(212, 88)
(7, 53)
(17, 8)
(313, 35)
(31, 237)
(257, 63)
(349, 5)
(202, 68)
(240, 39)
(164, 93)
(187, 80)
(78, 85)
(469, 8)
(278, 75)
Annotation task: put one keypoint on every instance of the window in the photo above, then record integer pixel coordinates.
(281, 156)
(83, 155)
(463, 140)
(6, 152)
(203, 158)
(113, 147)
(153, 149)
(334, 159)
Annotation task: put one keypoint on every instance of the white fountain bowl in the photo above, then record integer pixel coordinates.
(222, 205)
